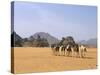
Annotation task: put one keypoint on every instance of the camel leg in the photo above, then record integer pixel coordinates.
(76, 54)
(73, 53)
(81, 54)
(60, 52)
(68, 53)
(65, 52)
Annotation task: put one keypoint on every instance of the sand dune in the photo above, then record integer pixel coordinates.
(28, 59)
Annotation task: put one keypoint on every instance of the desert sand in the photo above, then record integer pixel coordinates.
(31, 59)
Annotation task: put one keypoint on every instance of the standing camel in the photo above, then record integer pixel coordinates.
(82, 51)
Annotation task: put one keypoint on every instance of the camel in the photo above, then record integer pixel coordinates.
(68, 50)
(82, 51)
(55, 49)
(62, 50)
(79, 51)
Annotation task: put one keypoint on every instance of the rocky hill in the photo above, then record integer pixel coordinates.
(50, 38)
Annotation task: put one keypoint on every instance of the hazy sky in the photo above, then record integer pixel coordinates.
(59, 20)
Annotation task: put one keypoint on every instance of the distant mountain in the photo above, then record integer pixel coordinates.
(17, 37)
(16, 40)
(91, 42)
(50, 38)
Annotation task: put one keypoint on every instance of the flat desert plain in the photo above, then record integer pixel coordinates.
(31, 59)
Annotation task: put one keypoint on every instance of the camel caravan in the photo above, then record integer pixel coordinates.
(68, 47)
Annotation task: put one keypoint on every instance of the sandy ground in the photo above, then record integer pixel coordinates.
(28, 59)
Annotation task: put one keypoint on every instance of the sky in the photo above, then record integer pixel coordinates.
(59, 20)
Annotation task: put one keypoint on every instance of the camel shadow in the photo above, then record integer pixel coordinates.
(84, 57)
(88, 58)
